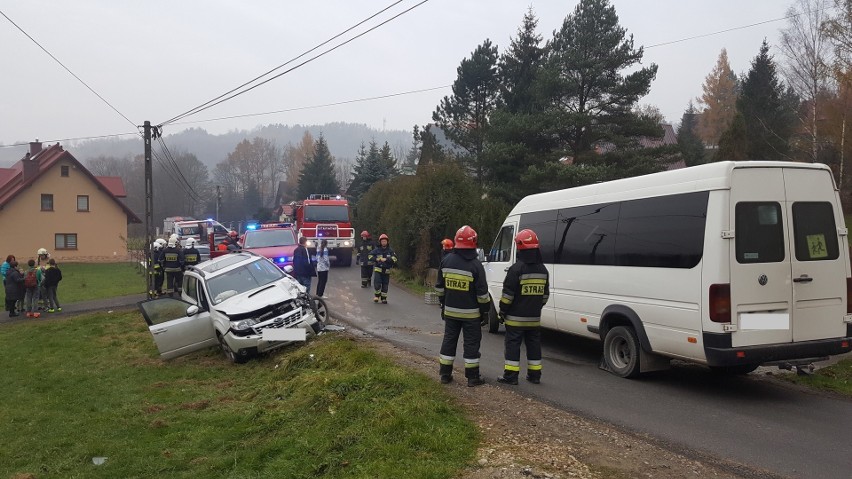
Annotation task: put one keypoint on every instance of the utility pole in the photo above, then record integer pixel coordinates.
(218, 200)
(149, 209)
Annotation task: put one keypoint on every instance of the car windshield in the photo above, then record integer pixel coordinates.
(242, 279)
(330, 213)
(268, 238)
(193, 230)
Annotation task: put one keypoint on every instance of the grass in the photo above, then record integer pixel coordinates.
(403, 280)
(94, 386)
(837, 378)
(87, 281)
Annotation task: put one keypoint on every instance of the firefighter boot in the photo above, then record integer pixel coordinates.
(509, 377)
(533, 378)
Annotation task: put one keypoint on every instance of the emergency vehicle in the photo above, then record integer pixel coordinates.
(276, 241)
(326, 217)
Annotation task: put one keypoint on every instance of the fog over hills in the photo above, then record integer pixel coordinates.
(343, 139)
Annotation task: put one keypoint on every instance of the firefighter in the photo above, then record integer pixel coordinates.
(157, 269)
(171, 260)
(525, 291)
(364, 250)
(230, 242)
(463, 294)
(446, 248)
(191, 257)
(383, 259)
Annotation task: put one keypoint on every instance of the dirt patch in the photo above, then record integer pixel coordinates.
(195, 406)
(526, 438)
(158, 424)
(154, 409)
(24, 475)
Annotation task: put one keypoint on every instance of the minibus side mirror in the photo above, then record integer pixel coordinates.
(480, 254)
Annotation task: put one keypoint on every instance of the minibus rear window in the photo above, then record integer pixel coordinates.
(815, 231)
(759, 232)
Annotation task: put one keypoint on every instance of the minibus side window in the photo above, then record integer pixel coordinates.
(815, 232)
(759, 232)
(544, 225)
(662, 232)
(502, 249)
(586, 235)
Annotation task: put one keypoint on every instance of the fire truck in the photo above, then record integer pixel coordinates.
(326, 217)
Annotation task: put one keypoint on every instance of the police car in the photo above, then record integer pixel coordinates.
(276, 241)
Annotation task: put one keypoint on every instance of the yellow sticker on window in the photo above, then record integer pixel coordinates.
(816, 246)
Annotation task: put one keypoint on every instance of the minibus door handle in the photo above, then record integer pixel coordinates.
(803, 279)
(506, 268)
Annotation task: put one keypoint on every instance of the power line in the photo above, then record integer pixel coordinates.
(299, 65)
(74, 139)
(191, 111)
(67, 69)
(728, 30)
(176, 172)
(344, 102)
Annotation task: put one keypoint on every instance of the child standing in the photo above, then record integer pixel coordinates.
(14, 284)
(32, 279)
(323, 265)
(52, 277)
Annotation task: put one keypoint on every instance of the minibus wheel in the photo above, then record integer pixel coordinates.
(621, 352)
(493, 321)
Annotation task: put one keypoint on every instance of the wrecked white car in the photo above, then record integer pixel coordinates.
(241, 301)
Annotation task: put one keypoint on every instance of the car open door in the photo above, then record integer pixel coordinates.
(498, 260)
(175, 331)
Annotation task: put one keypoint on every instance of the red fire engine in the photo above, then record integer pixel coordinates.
(326, 217)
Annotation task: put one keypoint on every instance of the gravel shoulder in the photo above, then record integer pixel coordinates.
(522, 437)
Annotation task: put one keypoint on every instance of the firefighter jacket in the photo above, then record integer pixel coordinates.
(462, 288)
(364, 251)
(191, 257)
(382, 259)
(525, 291)
(171, 259)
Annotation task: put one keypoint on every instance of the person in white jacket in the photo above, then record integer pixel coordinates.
(323, 265)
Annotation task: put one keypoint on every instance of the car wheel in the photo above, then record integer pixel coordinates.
(320, 309)
(493, 321)
(229, 354)
(736, 370)
(621, 352)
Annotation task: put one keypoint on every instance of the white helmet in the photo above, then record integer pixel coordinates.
(155, 245)
(172, 242)
(41, 251)
(174, 236)
(190, 243)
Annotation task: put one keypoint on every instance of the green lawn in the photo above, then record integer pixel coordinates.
(94, 386)
(85, 281)
(837, 378)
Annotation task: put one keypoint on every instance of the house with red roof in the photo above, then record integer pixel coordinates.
(48, 199)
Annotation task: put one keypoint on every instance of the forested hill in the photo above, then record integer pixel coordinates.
(343, 142)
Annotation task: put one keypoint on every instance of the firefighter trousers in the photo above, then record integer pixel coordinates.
(472, 337)
(380, 284)
(174, 280)
(366, 274)
(532, 338)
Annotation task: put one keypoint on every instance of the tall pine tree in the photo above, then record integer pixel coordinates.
(691, 146)
(592, 81)
(519, 66)
(318, 173)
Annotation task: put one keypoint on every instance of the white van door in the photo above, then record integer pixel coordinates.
(761, 291)
(500, 257)
(818, 255)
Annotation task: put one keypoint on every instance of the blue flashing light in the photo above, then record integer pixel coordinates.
(282, 259)
(210, 219)
(251, 226)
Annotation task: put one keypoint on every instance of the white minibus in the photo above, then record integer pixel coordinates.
(731, 264)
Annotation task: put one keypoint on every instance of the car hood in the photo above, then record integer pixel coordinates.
(273, 251)
(270, 294)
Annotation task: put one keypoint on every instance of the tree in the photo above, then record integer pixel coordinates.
(838, 28)
(805, 45)
(387, 161)
(733, 144)
(431, 152)
(318, 173)
(719, 101)
(294, 160)
(409, 164)
(691, 146)
(765, 107)
(588, 95)
(464, 116)
(368, 170)
(519, 67)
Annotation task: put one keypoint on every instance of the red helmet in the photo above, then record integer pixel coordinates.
(232, 234)
(384, 237)
(447, 244)
(466, 238)
(526, 239)
(365, 234)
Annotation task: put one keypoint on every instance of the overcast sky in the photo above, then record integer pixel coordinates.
(155, 59)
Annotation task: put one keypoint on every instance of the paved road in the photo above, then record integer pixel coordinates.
(746, 420)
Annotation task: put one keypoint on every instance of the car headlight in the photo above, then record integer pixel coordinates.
(244, 324)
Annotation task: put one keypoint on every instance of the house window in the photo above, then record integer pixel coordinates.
(65, 241)
(82, 202)
(63, 170)
(47, 202)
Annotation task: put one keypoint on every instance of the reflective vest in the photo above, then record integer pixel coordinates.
(191, 257)
(526, 290)
(462, 287)
(382, 266)
(171, 259)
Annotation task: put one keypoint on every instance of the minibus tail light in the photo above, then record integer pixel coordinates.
(720, 303)
(848, 295)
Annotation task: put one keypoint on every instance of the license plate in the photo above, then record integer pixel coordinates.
(764, 321)
(284, 334)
